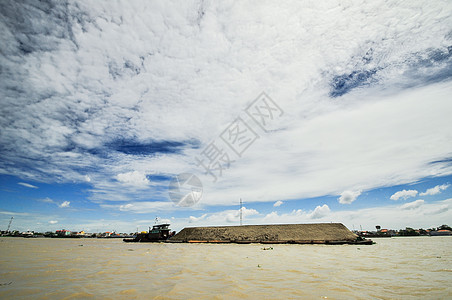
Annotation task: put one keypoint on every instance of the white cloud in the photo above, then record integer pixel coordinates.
(404, 194)
(142, 207)
(194, 219)
(47, 200)
(320, 212)
(225, 217)
(234, 216)
(64, 204)
(271, 217)
(297, 216)
(12, 213)
(435, 190)
(126, 207)
(412, 205)
(53, 222)
(27, 185)
(135, 178)
(347, 197)
(278, 203)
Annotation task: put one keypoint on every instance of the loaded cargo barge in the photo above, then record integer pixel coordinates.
(322, 233)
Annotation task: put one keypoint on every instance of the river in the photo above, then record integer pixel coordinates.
(401, 268)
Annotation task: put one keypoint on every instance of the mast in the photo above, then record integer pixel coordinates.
(241, 212)
(9, 225)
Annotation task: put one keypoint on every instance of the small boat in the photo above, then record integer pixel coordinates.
(158, 233)
(442, 232)
(363, 242)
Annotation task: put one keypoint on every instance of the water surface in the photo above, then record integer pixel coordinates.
(402, 268)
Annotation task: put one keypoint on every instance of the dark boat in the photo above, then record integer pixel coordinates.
(158, 233)
(442, 232)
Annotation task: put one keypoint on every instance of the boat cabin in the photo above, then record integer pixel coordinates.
(158, 233)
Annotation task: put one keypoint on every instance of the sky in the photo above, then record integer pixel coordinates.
(114, 114)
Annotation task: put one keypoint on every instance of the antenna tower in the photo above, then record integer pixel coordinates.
(241, 219)
(9, 225)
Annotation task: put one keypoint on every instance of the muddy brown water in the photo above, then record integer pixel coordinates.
(401, 268)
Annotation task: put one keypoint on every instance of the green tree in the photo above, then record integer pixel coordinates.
(444, 227)
(422, 231)
(408, 231)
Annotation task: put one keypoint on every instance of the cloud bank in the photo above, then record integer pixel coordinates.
(417, 214)
(122, 96)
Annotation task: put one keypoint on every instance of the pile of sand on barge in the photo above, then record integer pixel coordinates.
(322, 233)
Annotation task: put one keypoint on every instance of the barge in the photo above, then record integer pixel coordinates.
(321, 233)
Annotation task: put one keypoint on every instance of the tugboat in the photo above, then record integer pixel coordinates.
(158, 233)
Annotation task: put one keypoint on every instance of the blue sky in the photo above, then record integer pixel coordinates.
(53, 206)
(103, 104)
